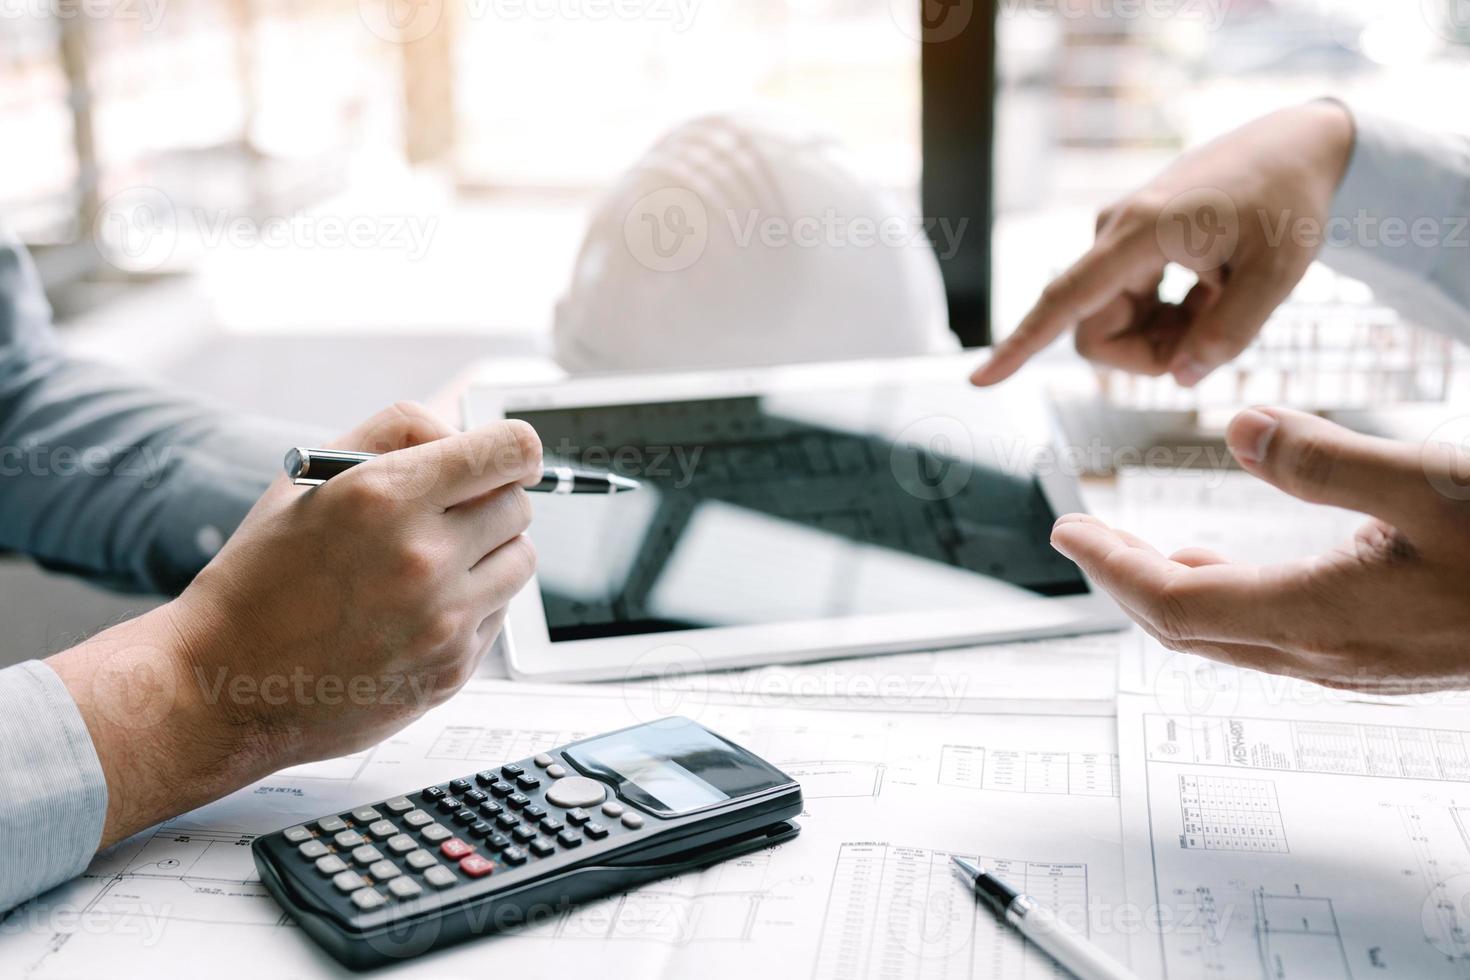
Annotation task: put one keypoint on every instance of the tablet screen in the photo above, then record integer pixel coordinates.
(782, 508)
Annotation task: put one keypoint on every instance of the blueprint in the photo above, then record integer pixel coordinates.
(1297, 840)
(864, 891)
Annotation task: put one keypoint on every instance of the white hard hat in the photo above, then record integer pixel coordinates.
(742, 240)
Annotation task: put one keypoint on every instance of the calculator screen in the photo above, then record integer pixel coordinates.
(789, 507)
(675, 766)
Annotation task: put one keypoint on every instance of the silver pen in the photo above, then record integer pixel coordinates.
(1040, 925)
(313, 467)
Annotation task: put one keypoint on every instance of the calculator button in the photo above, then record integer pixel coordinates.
(632, 820)
(366, 814)
(436, 832)
(523, 833)
(518, 800)
(399, 804)
(382, 828)
(313, 849)
(367, 854)
(404, 887)
(486, 776)
(542, 847)
(330, 825)
(367, 898)
(466, 817)
(496, 841)
(348, 839)
(502, 788)
(535, 811)
(507, 820)
(612, 808)
(439, 876)
(419, 860)
(511, 769)
(432, 793)
(454, 849)
(331, 865)
(475, 796)
(576, 791)
(551, 824)
(595, 830)
(296, 834)
(568, 839)
(514, 855)
(401, 844)
(417, 818)
(555, 771)
(459, 785)
(383, 870)
(476, 866)
(543, 760)
(349, 881)
(449, 804)
(578, 817)
(490, 808)
(528, 781)
(481, 829)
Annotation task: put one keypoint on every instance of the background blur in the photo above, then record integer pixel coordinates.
(390, 189)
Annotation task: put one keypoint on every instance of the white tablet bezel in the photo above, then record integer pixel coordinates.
(530, 654)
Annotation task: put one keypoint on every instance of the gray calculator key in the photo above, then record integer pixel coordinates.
(313, 849)
(384, 870)
(399, 804)
(404, 887)
(367, 854)
(419, 860)
(331, 864)
(417, 818)
(439, 877)
(367, 898)
(382, 828)
(365, 814)
(349, 881)
(349, 838)
(543, 760)
(401, 844)
(436, 832)
(296, 834)
(576, 791)
(556, 771)
(612, 808)
(633, 820)
(330, 825)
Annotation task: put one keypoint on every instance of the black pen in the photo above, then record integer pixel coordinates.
(313, 467)
(1040, 925)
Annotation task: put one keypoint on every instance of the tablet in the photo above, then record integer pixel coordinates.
(792, 513)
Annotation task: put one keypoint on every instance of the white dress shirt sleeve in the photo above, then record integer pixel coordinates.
(1401, 222)
(53, 798)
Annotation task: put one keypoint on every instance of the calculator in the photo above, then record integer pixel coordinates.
(524, 842)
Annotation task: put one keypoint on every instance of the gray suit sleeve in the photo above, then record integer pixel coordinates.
(1401, 222)
(53, 798)
(112, 476)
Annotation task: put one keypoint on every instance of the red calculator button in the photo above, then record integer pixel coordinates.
(454, 849)
(476, 866)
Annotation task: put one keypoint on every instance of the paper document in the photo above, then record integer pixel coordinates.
(866, 890)
(1297, 841)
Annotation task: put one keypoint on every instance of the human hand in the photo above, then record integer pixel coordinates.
(1246, 213)
(333, 617)
(1387, 612)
